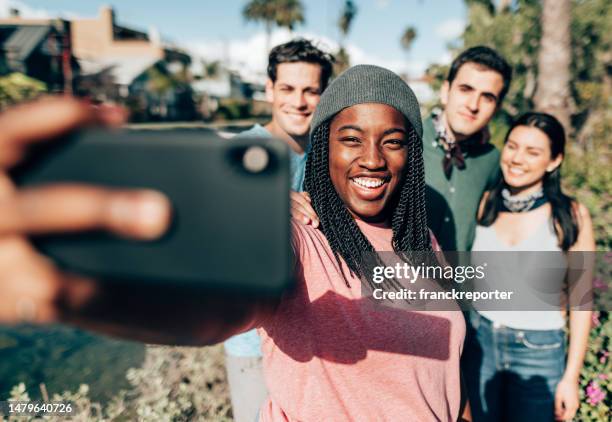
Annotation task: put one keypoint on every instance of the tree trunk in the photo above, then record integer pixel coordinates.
(553, 86)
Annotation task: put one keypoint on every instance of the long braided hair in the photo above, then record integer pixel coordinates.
(408, 220)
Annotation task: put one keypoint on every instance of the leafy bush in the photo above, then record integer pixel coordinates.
(595, 380)
(230, 109)
(174, 384)
(17, 87)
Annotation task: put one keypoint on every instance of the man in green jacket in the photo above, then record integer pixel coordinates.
(460, 163)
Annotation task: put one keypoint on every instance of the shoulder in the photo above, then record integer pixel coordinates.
(487, 152)
(429, 132)
(484, 159)
(305, 237)
(494, 152)
(302, 230)
(256, 131)
(488, 157)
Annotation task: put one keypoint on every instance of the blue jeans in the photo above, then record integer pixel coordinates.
(512, 375)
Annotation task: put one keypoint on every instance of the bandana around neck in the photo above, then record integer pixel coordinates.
(526, 203)
(454, 151)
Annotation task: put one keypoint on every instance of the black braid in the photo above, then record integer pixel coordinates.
(409, 222)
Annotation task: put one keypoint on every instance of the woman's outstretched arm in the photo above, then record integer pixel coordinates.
(34, 289)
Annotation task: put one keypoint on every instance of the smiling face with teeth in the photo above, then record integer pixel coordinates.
(525, 159)
(294, 95)
(367, 155)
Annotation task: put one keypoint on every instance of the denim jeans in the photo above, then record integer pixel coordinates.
(512, 375)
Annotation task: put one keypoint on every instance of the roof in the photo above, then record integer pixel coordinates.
(25, 39)
(124, 69)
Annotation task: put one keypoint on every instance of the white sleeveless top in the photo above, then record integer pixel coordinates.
(542, 239)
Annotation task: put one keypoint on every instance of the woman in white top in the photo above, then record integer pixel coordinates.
(516, 366)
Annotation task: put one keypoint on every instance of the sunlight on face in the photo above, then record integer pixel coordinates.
(526, 157)
(294, 96)
(471, 99)
(368, 151)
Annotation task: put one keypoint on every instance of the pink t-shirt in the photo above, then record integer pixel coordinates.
(331, 355)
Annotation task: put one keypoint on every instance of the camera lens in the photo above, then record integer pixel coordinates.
(255, 159)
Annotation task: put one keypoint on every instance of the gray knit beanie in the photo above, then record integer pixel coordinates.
(366, 83)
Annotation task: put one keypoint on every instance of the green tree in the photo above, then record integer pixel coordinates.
(212, 69)
(282, 13)
(504, 6)
(17, 87)
(163, 85)
(487, 5)
(592, 72)
(160, 82)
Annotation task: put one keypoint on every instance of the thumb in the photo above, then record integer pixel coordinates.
(559, 407)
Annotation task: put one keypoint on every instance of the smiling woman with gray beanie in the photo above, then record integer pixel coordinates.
(329, 353)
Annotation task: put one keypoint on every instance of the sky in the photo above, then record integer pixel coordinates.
(215, 29)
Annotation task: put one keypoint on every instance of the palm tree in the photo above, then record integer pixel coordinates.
(211, 70)
(289, 14)
(554, 60)
(347, 15)
(282, 13)
(408, 37)
(349, 11)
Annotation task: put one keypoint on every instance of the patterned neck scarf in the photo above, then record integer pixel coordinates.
(455, 151)
(522, 203)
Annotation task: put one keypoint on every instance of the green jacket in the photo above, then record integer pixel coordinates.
(452, 204)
